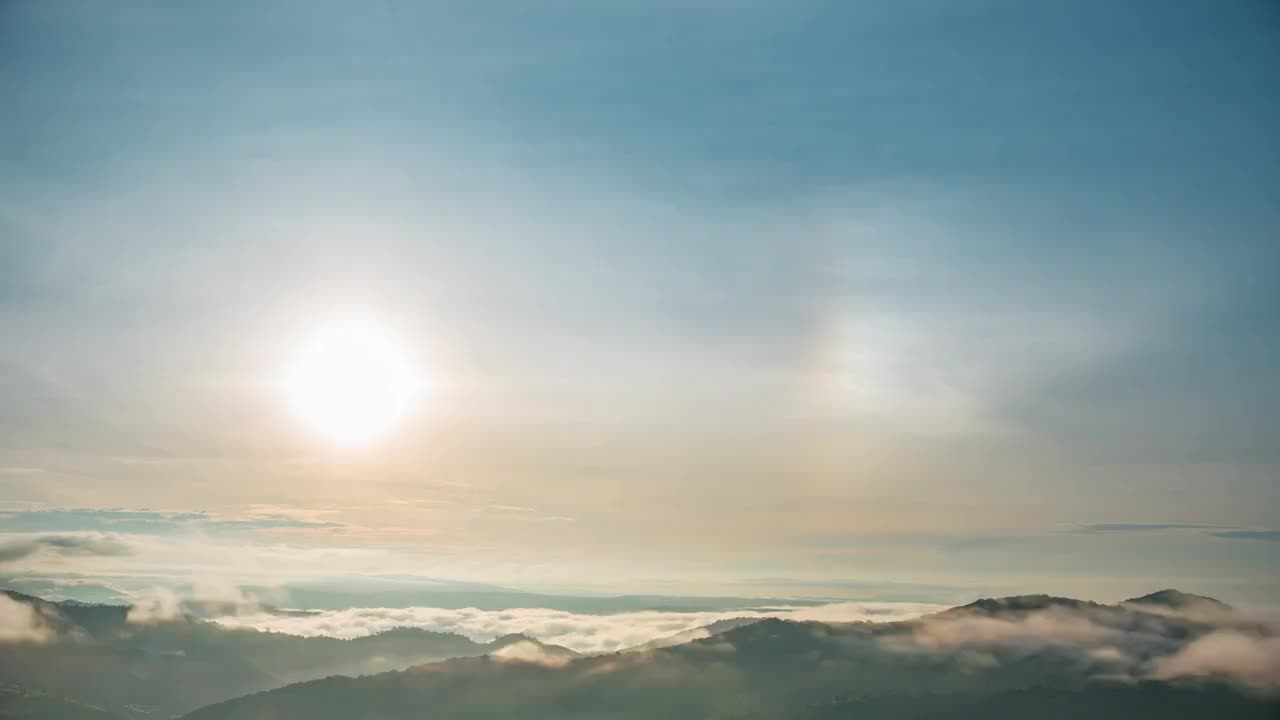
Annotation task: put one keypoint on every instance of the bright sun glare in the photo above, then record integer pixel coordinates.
(351, 383)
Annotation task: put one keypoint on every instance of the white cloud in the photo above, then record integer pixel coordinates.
(531, 652)
(158, 605)
(1227, 654)
(19, 622)
(580, 632)
(1223, 644)
(1053, 627)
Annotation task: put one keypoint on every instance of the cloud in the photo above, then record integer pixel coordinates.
(1226, 654)
(267, 522)
(1143, 527)
(19, 622)
(583, 633)
(531, 652)
(1053, 627)
(1268, 535)
(159, 605)
(855, 612)
(1110, 643)
(1218, 531)
(64, 586)
(150, 522)
(96, 545)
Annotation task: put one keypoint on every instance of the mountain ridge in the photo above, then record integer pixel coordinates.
(1177, 599)
(93, 654)
(774, 667)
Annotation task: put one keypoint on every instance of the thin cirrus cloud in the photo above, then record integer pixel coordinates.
(147, 522)
(1265, 535)
(1217, 531)
(1143, 527)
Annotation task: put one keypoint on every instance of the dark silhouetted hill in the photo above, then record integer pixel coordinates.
(19, 703)
(1144, 701)
(1178, 600)
(1021, 604)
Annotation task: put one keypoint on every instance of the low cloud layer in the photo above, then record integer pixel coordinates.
(1227, 654)
(1111, 643)
(20, 622)
(161, 604)
(580, 632)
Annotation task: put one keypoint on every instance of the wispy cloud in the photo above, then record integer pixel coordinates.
(65, 545)
(146, 521)
(19, 622)
(1268, 535)
(510, 508)
(1142, 527)
(1224, 532)
(531, 652)
(268, 522)
(20, 470)
(1226, 654)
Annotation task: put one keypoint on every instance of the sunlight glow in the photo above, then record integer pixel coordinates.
(351, 383)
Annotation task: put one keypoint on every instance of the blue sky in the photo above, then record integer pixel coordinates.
(781, 294)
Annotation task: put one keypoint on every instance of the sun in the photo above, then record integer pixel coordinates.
(351, 383)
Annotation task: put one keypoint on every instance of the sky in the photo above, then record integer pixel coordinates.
(844, 299)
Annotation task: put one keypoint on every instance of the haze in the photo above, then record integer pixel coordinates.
(915, 301)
